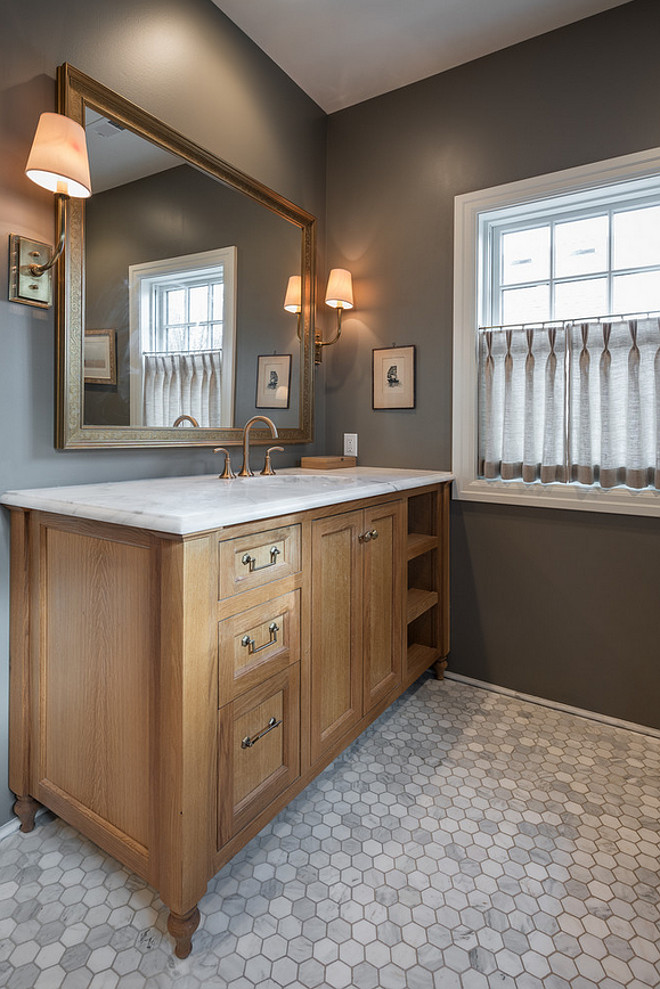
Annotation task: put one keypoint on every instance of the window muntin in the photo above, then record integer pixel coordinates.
(576, 265)
(187, 312)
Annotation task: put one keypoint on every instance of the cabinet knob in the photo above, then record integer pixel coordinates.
(374, 533)
(364, 537)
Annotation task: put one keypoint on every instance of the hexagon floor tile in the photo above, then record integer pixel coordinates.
(467, 840)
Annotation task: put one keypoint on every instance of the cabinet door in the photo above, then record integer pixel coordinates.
(336, 660)
(384, 562)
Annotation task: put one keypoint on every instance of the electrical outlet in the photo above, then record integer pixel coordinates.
(350, 444)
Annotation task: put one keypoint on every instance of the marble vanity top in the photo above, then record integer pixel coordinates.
(184, 505)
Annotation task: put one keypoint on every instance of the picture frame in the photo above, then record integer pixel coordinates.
(100, 357)
(393, 385)
(273, 381)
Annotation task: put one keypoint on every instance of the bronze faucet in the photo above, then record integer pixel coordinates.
(245, 469)
(183, 418)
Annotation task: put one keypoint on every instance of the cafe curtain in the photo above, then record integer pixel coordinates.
(182, 384)
(576, 402)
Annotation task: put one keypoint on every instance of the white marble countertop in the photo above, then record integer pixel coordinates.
(184, 505)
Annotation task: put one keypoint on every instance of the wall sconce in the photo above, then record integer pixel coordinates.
(339, 296)
(293, 298)
(57, 162)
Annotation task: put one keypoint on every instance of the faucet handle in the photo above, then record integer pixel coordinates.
(227, 472)
(267, 469)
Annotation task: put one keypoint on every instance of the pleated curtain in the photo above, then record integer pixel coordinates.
(578, 402)
(182, 384)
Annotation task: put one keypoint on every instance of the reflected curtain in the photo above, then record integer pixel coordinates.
(182, 384)
(580, 402)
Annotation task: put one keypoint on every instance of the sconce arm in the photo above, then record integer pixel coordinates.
(319, 343)
(39, 269)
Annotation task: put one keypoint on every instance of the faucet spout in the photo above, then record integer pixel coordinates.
(245, 469)
(185, 418)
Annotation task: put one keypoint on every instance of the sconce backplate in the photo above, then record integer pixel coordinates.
(25, 287)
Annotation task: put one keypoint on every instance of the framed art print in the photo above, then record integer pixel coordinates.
(394, 378)
(273, 381)
(100, 357)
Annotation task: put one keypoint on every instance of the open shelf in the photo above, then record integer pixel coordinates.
(420, 601)
(421, 657)
(427, 611)
(419, 543)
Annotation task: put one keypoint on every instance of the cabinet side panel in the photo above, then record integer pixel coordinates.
(98, 617)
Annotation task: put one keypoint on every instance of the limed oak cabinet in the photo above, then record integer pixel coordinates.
(171, 693)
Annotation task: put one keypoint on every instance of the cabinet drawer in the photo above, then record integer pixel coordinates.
(253, 560)
(259, 750)
(256, 644)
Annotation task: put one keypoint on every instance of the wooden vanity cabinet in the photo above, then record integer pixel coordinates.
(170, 694)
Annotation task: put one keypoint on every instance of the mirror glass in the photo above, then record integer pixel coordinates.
(171, 318)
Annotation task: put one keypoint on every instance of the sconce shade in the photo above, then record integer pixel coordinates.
(339, 293)
(293, 297)
(58, 157)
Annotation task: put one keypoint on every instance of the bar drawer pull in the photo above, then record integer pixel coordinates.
(248, 742)
(249, 561)
(248, 641)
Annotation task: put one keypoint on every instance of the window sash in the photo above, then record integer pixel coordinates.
(498, 228)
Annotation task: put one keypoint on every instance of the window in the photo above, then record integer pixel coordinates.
(557, 339)
(183, 329)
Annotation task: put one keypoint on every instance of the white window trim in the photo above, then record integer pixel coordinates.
(469, 208)
(225, 256)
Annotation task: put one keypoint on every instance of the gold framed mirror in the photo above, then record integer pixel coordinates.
(173, 287)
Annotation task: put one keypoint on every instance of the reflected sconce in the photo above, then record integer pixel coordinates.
(293, 298)
(57, 162)
(339, 296)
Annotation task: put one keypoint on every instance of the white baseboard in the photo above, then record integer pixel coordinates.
(555, 705)
(11, 826)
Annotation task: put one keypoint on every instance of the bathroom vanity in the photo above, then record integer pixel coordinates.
(187, 653)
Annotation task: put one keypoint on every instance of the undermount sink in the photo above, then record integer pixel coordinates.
(298, 480)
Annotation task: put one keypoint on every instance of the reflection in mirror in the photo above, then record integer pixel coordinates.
(177, 268)
(174, 260)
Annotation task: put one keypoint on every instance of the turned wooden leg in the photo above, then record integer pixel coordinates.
(182, 928)
(25, 808)
(439, 668)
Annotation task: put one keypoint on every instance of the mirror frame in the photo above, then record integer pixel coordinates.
(75, 91)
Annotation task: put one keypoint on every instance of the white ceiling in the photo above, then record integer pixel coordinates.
(341, 52)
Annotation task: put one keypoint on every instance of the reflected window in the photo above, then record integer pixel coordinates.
(183, 328)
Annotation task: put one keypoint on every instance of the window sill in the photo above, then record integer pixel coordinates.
(574, 496)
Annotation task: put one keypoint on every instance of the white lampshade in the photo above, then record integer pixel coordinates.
(58, 158)
(339, 293)
(293, 297)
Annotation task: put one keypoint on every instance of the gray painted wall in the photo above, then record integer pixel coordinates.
(186, 63)
(558, 604)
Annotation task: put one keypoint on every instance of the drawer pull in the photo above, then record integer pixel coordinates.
(248, 742)
(249, 561)
(248, 641)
